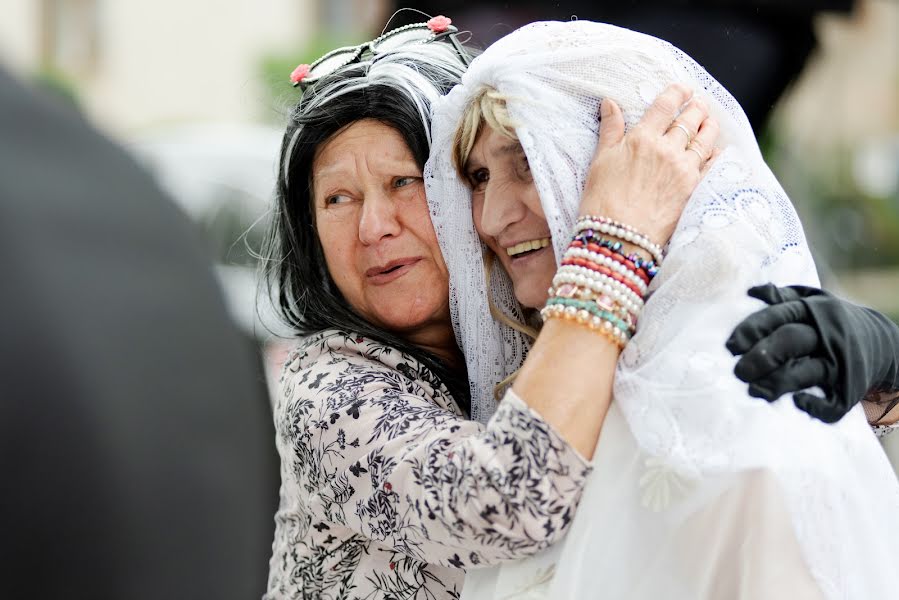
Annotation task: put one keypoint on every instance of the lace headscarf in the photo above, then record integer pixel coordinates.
(674, 383)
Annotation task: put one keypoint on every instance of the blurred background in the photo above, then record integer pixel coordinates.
(198, 90)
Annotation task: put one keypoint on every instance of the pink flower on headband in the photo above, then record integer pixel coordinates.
(299, 73)
(439, 24)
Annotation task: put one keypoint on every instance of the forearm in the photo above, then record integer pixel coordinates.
(429, 483)
(881, 408)
(567, 378)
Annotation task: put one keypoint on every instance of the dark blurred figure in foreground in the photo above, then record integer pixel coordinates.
(755, 48)
(136, 444)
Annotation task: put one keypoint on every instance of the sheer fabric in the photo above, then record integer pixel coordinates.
(685, 445)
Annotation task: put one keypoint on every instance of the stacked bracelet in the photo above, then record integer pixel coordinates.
(621, 231)
(631, 277)
(646, 269)
(597, 285)
(619, 294)
(606, 273)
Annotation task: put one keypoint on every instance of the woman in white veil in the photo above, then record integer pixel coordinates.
(699, 490)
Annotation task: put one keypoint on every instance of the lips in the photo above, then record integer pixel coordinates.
(391, 271)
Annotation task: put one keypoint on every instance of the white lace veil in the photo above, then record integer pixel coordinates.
(674, 384)
(555, 75)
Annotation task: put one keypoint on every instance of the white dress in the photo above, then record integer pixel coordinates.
(699, 491)
(727, 537)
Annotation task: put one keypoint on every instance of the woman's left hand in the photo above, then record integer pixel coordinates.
(645, 177)
(806, 337)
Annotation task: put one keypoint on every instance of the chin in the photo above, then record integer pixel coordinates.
(532, 296)
(407, 311)
(531, 292)
(399, 320)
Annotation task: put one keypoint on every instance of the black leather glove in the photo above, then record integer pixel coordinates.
(807, 337)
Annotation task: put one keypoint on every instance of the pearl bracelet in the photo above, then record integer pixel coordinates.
(603, 270)
(627, 326)
(644, 270)
(621, 231)
(609, 263)
(602, 300)
(582, 317)
(600, 284)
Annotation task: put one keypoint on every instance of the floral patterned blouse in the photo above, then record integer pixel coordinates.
(389, 492)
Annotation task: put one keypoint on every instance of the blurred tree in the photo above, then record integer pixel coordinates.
(275, 69)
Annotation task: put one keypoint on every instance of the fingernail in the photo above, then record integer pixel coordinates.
(605, 108)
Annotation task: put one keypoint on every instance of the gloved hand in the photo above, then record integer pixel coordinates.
(807, 337)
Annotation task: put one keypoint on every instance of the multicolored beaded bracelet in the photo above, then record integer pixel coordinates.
(582, 317)
(618, 257)
(582, 262)
(618, 230)
(589, 237)
(602, 300)
(597, 285)
(600, 285)
(631, 274)
(594, 310)
(599, 282)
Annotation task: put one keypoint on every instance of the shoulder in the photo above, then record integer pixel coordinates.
(346, 365)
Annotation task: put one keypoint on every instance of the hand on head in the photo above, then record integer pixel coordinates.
(645, 177)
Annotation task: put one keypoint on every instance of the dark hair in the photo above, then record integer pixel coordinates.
(395, 89)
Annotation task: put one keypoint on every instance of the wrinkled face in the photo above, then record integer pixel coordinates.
(508, 215)
(373, 222)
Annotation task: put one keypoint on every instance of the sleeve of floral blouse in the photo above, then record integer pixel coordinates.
(399, 470)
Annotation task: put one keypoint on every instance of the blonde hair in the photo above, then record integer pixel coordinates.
(499, 315)
(488, 107)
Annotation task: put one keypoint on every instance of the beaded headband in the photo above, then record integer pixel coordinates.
(438, 28)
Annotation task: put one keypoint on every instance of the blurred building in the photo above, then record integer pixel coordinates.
(135, 65)
(837, 150)
(849, 91)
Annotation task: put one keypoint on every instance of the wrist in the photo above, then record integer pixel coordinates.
(599, 286)
(882, 408)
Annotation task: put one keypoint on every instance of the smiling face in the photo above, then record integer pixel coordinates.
(376, 233)
(508, 215)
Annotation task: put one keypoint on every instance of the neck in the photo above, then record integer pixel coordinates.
(439, 340)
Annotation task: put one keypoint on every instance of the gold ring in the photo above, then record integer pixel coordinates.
(692, 148)
(684, 129)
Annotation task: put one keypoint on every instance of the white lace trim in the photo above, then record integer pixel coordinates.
(674, 383)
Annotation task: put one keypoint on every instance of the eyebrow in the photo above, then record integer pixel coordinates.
(513, 147)
(339, 170)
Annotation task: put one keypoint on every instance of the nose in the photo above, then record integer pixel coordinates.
(379, 218)
(502, 207)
